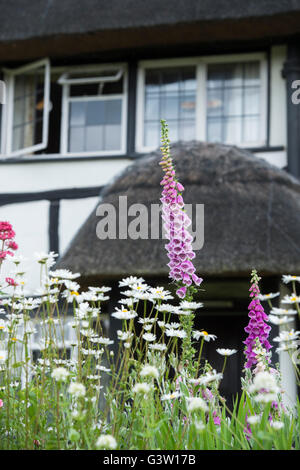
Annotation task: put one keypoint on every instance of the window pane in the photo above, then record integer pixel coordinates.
(28, 109)
(233, 104)
(99, 122)
(76, 139)
(113, 111)
(187, 130)
(169, 105)
(252, 101)
(187, 107)
(152, 133)
(251, 129)
(95, 113)
(77, 114)
(214, 130)
(152, 108)
(214, 102)
(112, 137)
(233, 94)
(233, 130)
(94, 138)
(170, 93)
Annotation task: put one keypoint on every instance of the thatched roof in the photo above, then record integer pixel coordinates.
(251, 216)
(50, 27)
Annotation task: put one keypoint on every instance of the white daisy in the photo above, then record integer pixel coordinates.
(171, 396)
(226, 352)
(149, 337)
(149, 371)
(283, 311)
(203, 334)
(291, 299)
(196, 403)
(276, 425)
(123, 313)
(253, 419)
(286, 278)
(287, 336)
(288, 346)
(64, 274)
(60, 374)
(185, 305)
(131, 280)
(77, 389)
(175, 333)
(146, 320)
(106, 441)
(268, 296)
(209, 377)
(142, 387)
(276, 320)
(158, 347)
(124, 335)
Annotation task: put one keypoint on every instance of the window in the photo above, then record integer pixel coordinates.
(233, 103)
(94, 111)
(214, 99)
(25, 121)
(170, 94)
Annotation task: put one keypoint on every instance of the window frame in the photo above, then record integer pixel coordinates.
(66, 99)
(201, 64)
(7, 116)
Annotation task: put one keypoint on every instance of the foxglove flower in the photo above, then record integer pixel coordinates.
(257, 328)
(176, 223)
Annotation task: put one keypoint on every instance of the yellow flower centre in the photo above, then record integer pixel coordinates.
(205, 333)
(14, 339)
(124, 310)
(74, 292)
(1, 327)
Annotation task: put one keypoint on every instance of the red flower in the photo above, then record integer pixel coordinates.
(11, 282)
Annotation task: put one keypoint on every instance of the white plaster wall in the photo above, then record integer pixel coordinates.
(73, 214)
(44, 176)
(278, 159)
(30, 222)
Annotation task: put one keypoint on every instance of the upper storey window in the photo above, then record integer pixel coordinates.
(214, 99)
(94, 106)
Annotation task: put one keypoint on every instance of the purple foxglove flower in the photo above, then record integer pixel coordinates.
(176, 221)
(257, 328)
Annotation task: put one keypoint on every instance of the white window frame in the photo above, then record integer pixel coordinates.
(66, 82)
(201, 64)
(8, 109)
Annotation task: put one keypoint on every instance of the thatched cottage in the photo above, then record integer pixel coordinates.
(86, 85)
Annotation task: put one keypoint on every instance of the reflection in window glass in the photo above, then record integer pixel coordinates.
(170, 93)
(233, 103)
(28, 110)
(95, 125)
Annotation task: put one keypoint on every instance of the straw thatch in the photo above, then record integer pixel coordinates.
(251, 216)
